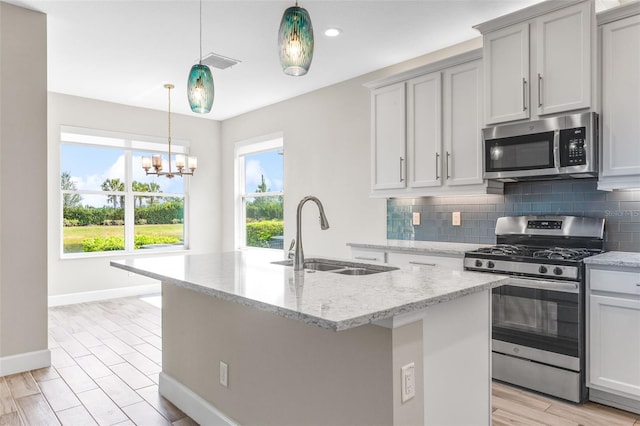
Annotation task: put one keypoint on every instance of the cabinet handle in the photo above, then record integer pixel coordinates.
(539, 90)
(524, 94)
(401, 176)
(366, 258)
(437, 161)
(421, 263)
(448, 157)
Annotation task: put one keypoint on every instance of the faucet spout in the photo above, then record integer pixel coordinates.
(298, 263)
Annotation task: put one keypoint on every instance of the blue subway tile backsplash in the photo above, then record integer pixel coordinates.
(621, 211)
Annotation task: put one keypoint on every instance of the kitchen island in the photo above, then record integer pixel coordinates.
(312, 347)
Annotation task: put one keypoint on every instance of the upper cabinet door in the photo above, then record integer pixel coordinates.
(424, 123)
(462, 124)
(388, 137)
(506, 67)
(563, 46)
(620, 116)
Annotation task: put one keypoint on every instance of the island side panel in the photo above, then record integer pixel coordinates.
(281, 371)
(457, 361)
(408, 348)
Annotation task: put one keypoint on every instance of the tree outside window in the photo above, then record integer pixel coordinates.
(262, 201)
(102, 186)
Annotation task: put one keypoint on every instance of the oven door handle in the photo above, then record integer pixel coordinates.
(565, 287)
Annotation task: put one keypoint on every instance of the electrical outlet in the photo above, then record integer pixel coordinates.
(408, 387)
(416, 218)
(224, 374)
(455, 218)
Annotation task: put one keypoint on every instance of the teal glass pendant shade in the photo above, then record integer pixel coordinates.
(200, 89)
(295, 40)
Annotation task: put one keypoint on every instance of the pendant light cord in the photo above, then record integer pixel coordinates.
(200, 32)
(169, 128)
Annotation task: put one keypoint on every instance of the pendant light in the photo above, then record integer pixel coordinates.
(295, 41)
(200, 82)
(155, 160)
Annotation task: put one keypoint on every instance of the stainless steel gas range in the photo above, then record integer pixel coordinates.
(538, 323)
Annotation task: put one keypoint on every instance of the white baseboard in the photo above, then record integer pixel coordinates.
(192, 404)
(93, 296)
(613, 400)
(28, 361)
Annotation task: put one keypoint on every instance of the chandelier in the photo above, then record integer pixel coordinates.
(156, 159)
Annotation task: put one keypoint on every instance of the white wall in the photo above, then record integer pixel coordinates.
(327, 154)
(94, 274)
(23, 189)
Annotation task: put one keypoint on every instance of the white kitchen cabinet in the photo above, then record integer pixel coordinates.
(506, 66)
(442, 136)
(368, 255)
(420, 260)
(388, 127)
(403, 259)
(620, 94)
(538, 59)
(613, 354)
(462, 121)
(563, 50)
(424, 130)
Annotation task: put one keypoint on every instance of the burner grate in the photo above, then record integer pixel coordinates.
(564, 253)
(505, 249)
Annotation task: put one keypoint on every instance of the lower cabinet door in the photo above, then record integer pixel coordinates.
(368, 255)
(614, 344)
(420, 260)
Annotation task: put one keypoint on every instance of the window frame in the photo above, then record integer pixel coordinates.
(128, 143)
(243, 149)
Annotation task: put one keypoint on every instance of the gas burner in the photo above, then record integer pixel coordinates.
(564, 253)
(504, 249)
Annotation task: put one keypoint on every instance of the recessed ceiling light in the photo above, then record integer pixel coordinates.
(332, 32)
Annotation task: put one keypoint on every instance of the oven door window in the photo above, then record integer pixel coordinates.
(526, 152)
(542, 319)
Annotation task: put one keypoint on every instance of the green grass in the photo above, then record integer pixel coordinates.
(74, 235)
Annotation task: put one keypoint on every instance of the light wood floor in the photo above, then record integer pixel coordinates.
(106, 357)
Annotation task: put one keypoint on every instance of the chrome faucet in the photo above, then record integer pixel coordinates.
(298, 261)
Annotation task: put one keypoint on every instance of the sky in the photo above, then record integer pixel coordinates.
(89, 166)
(269, 164)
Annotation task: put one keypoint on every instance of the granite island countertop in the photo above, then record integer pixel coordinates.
(615, 258)
(325, 299)
(422, 247)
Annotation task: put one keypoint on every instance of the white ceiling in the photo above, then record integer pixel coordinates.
(124, 51)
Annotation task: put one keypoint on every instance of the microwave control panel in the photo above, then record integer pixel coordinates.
(573, 147)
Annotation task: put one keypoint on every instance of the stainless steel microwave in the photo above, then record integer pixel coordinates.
(557, 147)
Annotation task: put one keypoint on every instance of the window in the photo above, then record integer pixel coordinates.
(108, 203)
(260, 194)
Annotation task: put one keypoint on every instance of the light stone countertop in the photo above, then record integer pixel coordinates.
(325, 299)
(615, 258)
(422, 247)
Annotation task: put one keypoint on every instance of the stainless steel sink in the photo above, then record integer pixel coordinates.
(339, 266)
(356, 271)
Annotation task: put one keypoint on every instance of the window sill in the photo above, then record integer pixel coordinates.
(121, 254)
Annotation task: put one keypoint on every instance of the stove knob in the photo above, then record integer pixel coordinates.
(542, 269)
(478, 263)
(557, 270)
(490, 264)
